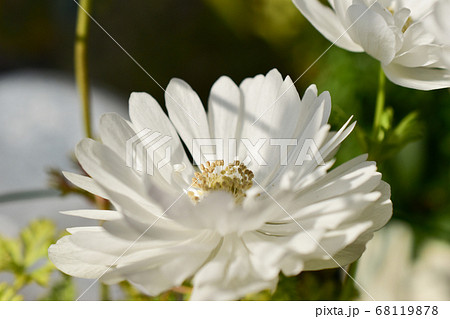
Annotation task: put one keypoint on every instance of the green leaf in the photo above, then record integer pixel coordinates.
(388, 140)
(42, 275)
(10, 255)
(409, 129)
(309, 285)
(36, 238)
(26, 257)
(8, 293)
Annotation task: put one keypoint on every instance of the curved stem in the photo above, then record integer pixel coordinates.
(82, 78)
(81, 65)
(381, 97)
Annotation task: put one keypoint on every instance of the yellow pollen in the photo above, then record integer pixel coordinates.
(235, 178)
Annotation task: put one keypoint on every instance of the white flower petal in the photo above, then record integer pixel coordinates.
(332, 212)
(219, 212)
(94, 214)
(341, 7)
(291, 265)
(111, 249)
(64, 255)
(272, 111)
(372, 32)
(143, 219)
(301, 242)
(438, 23)
(146, 113)
(326, 21)
(418, 78)
(225, 109)
(165, 268)
(259, 94)
(287, 251)
(115, 131)
(335, 242)
(378, 214)
(229, 275)
(86, 183)
(225, 116)
(418, 8)
(414, 36)
(401, 17)
(103, 165)
(360, 178)
(187, 113)
(418, 56)
(309, 97)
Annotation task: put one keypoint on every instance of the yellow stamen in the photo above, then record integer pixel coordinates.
(235, 178)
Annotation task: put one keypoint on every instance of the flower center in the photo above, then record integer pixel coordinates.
(235, 178)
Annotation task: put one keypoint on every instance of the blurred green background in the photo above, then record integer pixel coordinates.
(200, 40)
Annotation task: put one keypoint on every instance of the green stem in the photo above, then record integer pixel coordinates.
(82, 78)
(81, 65)
(381, 97)
(105, 292)
(349, 292)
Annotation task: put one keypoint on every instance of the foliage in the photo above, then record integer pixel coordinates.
(26, 259)
(311, 286)
(8, 293)
(62, 290)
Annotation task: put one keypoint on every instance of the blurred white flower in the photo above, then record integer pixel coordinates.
(235, 227)
(388, 270)
(392, 31)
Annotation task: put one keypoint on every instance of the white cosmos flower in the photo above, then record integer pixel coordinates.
(390, 271)
(392, 31)
(232, 240)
